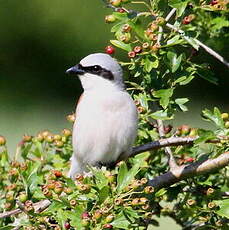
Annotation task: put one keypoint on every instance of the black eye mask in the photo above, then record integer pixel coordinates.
(96, 70)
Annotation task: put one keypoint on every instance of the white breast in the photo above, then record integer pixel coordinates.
(105, 126)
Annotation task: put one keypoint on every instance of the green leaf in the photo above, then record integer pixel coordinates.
(173, 41)
(125, 177)
(100, 179)
(117, 27)
(224, 208)
(192, 42)
(174, 61)
(33, 182)
(4, 158)
(205, 135)
(214, 117)
(137, 28)
(180, 102)
(206, 74)
(150, 63)
(162, 115)
(121, 222)
(55, 206)
(7, 227)
(25, 149)
(161, 192)
(187, 80)
(121, 176)
(218, 23)
(103, 194)
(121, 16)
(164, 95)
(180, 5)
(121, 45)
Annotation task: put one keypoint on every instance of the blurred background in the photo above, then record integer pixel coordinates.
(41, 39)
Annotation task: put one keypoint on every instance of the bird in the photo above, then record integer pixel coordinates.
(106, 121)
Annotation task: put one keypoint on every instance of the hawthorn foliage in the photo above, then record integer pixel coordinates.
(158, 47)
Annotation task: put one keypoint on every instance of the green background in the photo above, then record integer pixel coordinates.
(41, 39)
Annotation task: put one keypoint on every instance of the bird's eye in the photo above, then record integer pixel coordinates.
(96, 67)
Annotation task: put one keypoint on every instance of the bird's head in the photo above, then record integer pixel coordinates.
(98, 71)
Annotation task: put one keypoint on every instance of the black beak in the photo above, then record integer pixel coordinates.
(75, 70)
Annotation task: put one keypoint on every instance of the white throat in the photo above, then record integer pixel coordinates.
(91, 82)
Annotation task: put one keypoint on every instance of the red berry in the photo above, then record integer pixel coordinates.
(189, 160)
(137, 49)
(185, 21)
(57, 173)
(214, 2)
(109, 49)
(121, 10)
(107, 226)
(85, 215)
(131, 54)
(67, 225)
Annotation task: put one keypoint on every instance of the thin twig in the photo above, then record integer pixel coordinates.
(171, 159)
(171, 141)
(38, 207)
(206, 48)
(170, 14)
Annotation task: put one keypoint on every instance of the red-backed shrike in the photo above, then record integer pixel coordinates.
(106, 117)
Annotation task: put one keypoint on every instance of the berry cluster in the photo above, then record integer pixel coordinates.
(225, 117)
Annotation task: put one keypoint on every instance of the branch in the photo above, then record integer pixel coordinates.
(187, 171)
(38, 207)
(206, 48)
(171, 141)
(164, 180)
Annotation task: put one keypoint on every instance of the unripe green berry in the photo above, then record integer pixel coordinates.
(210, 191)
(97, 215)
(211, 205)
(185, 129)
(225, 116)
(191, 202)
(49, 138)
(148, 189)
(109, 218)
(143, 201)
(85, 222)
(135, 202)
(71, 117)
(125, 37)
(66, 132)
(160, 21)
(145, 45)
(110, 18)
(27, 138)
(59, 144)
(115, 3)
(8, 206)
(73, 203)
(2, 140)
(126, 28)
(68, 191)
(227, 124)
(153, 27)
(193, 132)
(23, 197)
